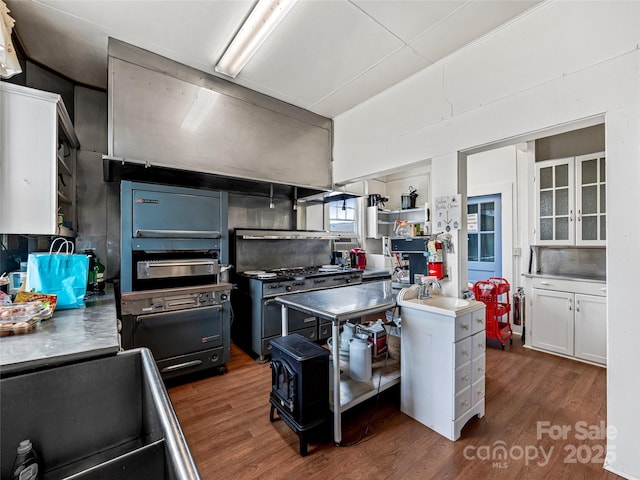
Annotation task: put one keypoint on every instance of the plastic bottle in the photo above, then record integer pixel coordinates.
(26, 466)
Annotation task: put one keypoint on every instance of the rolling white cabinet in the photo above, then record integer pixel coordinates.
(37, 162)
(571, 201)
(569, 318)
(443, 368)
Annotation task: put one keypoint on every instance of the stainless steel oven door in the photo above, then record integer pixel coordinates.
(299, 322)
(179, 332)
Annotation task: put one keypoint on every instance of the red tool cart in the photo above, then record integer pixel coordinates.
(494, 293)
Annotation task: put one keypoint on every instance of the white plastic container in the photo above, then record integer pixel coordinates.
(360, 358)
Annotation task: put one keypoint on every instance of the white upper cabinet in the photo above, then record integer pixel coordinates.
(570, 201)
(591, 213)
(37, 162)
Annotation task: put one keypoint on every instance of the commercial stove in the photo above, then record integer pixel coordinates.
(257, 315)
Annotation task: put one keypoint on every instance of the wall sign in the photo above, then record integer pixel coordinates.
(447, 213)
(472, 222)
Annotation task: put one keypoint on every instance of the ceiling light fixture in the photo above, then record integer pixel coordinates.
(262, 20)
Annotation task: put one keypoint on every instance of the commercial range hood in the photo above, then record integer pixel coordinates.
(115, 169)
(264, 234)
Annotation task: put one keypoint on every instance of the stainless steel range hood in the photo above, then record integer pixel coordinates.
(259, 234)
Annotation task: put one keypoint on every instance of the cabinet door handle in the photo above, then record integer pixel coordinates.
(577, 305)
(579, 215)
(545, 283)
(570, 305)
(571, 215)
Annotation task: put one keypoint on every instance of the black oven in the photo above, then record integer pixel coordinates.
(186, 329)
(302, 323)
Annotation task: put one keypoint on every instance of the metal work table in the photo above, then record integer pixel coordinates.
(339, 305)
(70, 335)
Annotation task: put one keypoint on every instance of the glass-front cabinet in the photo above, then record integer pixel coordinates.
(591, 215)
(570, 201)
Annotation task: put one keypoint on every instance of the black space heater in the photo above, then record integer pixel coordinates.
(300, 387)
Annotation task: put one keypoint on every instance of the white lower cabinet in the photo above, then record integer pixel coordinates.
(590, 331)
(443, 368)
(568, 321)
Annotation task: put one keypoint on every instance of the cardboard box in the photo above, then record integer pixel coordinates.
(377, 336)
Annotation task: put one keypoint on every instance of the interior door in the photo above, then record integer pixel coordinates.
(484, 233)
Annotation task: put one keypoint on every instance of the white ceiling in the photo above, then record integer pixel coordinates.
(326, 56)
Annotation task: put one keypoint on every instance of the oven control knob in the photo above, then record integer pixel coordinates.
(224, 296)
(288, 288)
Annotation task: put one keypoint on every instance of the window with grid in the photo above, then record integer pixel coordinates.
(342, 216)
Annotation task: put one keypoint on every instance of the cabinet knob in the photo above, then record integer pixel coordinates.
(465, 353)
(465, 378)
(465, 326)
(465, 403)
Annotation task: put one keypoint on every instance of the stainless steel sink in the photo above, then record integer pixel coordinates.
(107, 418)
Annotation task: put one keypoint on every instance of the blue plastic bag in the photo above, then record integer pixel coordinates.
(62, 274)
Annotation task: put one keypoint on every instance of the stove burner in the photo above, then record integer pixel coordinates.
(304, 272)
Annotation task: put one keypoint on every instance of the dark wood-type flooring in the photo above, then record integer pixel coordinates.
(225, 420)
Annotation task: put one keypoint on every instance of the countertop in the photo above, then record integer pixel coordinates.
(566, 277)
(344, 303)
(69, 335)
(375, 274)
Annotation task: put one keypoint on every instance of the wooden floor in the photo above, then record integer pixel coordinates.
(225, 420)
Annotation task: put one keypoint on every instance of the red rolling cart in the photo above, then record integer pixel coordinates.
(494, 293)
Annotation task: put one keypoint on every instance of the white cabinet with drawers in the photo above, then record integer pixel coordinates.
(443, 367)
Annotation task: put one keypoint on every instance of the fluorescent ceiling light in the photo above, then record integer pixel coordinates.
(264, 18)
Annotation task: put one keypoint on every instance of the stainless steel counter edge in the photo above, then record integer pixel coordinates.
(70, 335)
(564, 277)
(343, 303)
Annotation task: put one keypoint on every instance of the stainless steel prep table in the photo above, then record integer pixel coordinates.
(339, 305)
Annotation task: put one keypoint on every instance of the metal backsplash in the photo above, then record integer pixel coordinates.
(269, 254)
(572, 262)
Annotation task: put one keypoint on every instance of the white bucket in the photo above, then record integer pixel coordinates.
(360, 358)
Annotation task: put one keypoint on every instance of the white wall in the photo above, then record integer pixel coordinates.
(492, 172)
(561, 63)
